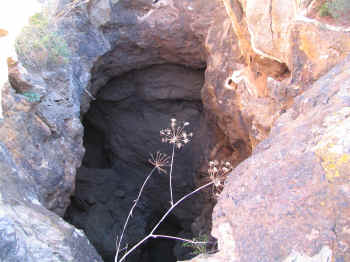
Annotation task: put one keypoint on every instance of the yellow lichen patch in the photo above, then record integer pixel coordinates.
(335, 165)
(333, 145)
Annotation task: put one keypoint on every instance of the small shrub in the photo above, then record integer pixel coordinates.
(39, 45)
(324, 10)
(199, 245)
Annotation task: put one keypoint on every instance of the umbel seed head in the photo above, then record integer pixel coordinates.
(159, 160)
(218, 170)
(176, 134)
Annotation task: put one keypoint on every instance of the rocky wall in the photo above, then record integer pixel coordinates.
(259, 59)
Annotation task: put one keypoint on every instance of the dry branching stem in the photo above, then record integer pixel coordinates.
(130, 213)
(151, 234)
(177, 136)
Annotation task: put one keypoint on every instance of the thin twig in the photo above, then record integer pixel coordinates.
(89, 94)
(177, 203)
(179, 238)
(170, 176)
(130, 213)
(160, 221)
(133, 248)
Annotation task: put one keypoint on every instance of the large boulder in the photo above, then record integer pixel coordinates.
(28, 231)
(284, 203)
(290, 200)
(261, 58)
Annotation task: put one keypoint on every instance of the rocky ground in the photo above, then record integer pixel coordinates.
(265, 84)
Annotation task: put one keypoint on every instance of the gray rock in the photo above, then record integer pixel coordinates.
(160, 47)
(28, 231)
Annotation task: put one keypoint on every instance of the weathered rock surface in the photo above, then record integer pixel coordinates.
(258, 57)
(28, 231)
(269, 57)
(41, 128)
(279, 205)
(290, 199)
(12, 19)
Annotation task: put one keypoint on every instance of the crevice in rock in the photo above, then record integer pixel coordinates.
(159, 249)
(121, 128)
(96, 148)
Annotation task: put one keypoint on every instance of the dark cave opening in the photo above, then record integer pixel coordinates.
(160, 249)
(121, 128)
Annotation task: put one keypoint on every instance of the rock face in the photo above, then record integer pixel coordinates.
(263, 82)
(12, 19)
(292, 194)
(289, 200)
(28, 231)
(268, 59)
(41, 128)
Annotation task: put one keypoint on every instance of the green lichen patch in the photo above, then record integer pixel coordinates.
(32, 97)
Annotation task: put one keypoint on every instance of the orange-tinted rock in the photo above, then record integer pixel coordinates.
(293, 193)
(272, 59)
(237, 85)
(16, 74)
(316, 48)
(3, 32)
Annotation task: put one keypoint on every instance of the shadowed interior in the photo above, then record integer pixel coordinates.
(121, 128)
